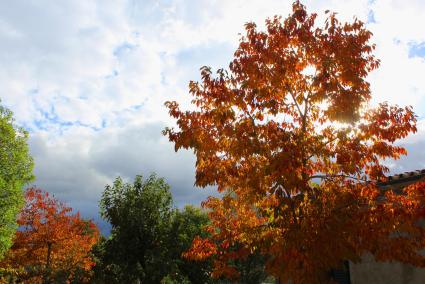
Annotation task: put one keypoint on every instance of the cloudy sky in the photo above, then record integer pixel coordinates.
(88, 80)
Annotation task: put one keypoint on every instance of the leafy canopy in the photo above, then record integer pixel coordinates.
(289, 138)
(140, 215)
(16, 167)
(52, 245)
(186, 224)
(149, 236)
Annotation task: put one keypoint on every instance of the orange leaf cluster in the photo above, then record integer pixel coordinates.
(50, 239)
(288, 138)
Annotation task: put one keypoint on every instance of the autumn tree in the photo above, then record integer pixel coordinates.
(290, 139)
(16, 167)
(53, 244)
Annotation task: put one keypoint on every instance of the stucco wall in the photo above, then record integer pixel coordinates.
(370, 271)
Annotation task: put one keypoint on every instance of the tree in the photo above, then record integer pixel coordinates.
(16, 167)
(140, 215)
(52, 245)
(291, 141)
(149, 236)
(186, 224)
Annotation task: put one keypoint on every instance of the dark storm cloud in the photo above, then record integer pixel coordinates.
(144, 150)
(77, 168)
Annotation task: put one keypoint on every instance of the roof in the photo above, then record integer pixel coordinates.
(403, 179)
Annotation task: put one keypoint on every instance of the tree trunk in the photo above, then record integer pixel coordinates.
(46, 277)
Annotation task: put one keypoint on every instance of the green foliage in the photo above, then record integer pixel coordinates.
(140, 215)
(252, 269)
(16, 167)
(185, 225)
(175, 280)
(149, 236)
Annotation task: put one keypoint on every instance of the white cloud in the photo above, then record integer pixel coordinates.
(89, 78)
(400, 77)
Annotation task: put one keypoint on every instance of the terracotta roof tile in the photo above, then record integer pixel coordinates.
(404, 177)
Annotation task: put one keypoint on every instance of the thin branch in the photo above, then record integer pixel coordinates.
(348, 205)
(322, 146)
(295, 100)
(336, 176)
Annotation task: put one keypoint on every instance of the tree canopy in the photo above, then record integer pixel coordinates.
(186, 224)
(16, 167)
(290, 139)
(149, 237)
(52, 245)
(140, 215)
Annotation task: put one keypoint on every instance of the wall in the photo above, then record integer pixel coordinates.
(370, 271)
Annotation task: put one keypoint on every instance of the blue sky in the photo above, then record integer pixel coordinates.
(88, 79)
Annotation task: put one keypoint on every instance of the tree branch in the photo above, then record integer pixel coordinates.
(336, 176)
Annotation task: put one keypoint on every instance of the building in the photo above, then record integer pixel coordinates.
(370, 271)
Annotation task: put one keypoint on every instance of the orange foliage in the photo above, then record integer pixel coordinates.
(289, 139)
(50, 240)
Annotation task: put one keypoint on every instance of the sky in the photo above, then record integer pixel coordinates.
(88, 80)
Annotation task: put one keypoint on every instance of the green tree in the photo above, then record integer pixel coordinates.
(185, 226)
(149, 238)
(16, 167)
(140, 215)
